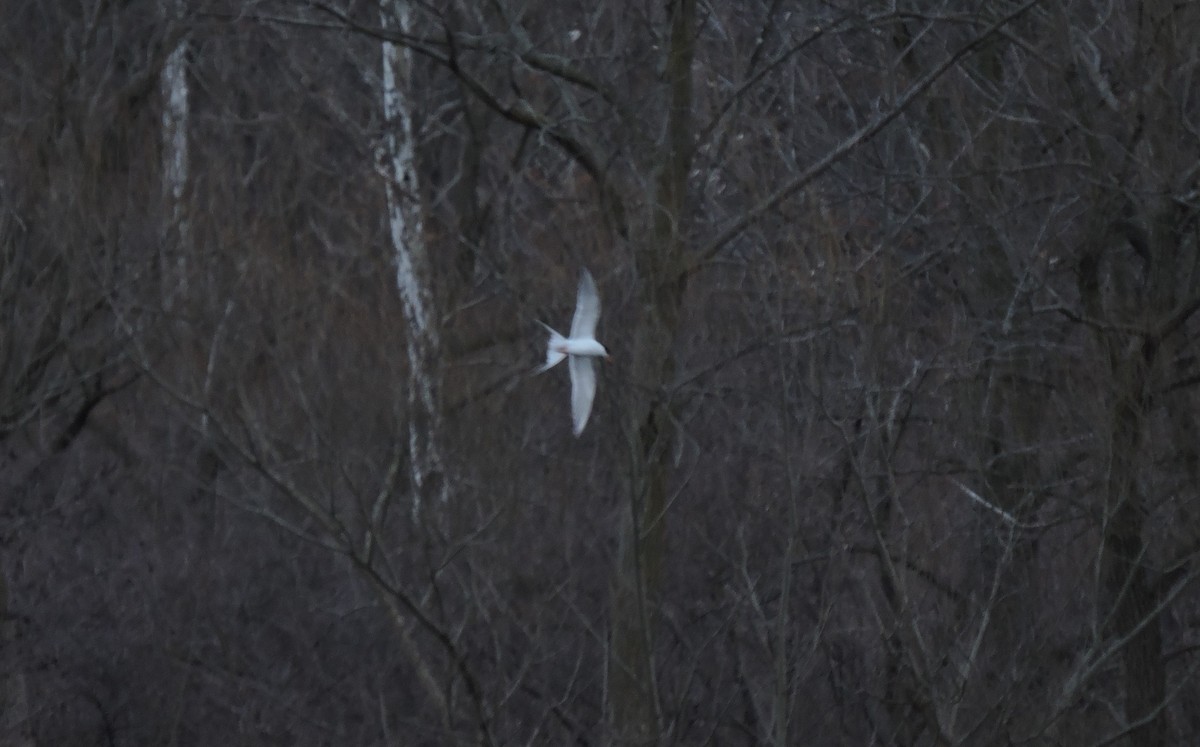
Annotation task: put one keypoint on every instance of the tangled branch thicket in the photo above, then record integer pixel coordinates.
(898, 445)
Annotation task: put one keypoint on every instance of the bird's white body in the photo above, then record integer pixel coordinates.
(573, 346)
(581, 347)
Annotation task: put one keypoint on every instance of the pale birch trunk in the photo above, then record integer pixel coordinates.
(397, 157)
(397, 162)
(175, 163)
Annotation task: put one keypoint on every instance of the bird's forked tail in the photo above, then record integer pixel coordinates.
(554, 354)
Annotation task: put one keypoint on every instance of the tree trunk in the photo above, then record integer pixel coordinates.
(175, 162)
(14, 696)
(414, 278)
(1129, 587)
(638, 581)
(1125, 575)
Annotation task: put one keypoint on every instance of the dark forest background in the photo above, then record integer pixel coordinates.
(898, 444)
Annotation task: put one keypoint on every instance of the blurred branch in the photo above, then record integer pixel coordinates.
(446, 51)
(849, 144)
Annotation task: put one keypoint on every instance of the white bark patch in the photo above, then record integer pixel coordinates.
(175, 167)
(397, 158)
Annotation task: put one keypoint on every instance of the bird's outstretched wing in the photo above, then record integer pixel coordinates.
(583, 389)
(587, 308)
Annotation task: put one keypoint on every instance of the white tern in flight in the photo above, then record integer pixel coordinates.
(581, 347)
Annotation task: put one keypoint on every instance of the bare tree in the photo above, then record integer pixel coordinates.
(397, 156)
(175, 156)
(895, 446)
